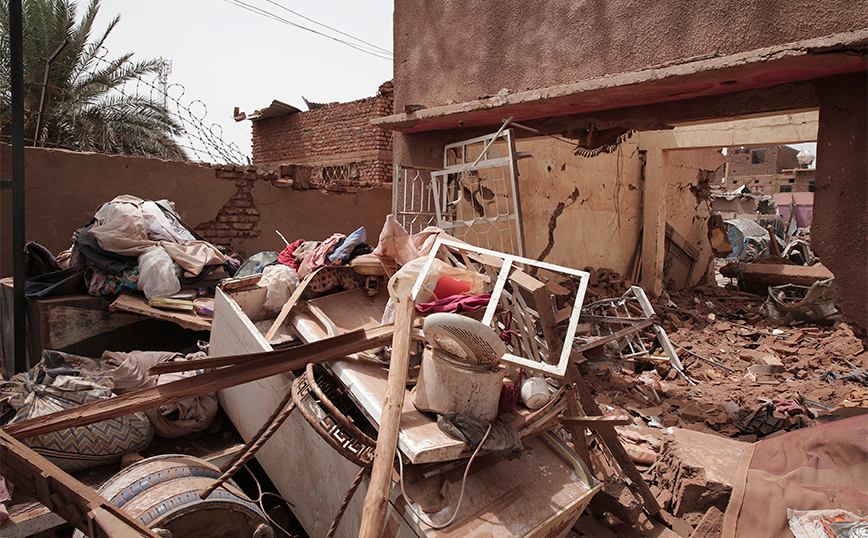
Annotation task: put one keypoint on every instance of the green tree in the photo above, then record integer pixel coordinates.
(85, 109)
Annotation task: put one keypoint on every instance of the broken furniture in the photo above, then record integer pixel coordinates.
(76, 503)
(757, 277)
(527, 300)
(82, 325)
(315, 477)
(618, 324)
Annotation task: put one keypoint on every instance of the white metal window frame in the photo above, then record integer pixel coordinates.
(509, 260)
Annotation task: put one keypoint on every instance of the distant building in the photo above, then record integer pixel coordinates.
(765, 170)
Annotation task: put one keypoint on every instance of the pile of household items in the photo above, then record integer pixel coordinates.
(423, 385)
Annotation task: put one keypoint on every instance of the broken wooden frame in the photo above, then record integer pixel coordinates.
(78, 504)
(619, 322)
(552, 355)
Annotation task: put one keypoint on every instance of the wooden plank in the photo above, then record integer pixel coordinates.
(610, 438)
(289, 304)
(596, 422)
(615, 336)
(66, 496)
(247, 368)
(377, 498)
(139, 305)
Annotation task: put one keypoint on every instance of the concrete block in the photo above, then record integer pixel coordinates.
(710, 526)
(698, 469)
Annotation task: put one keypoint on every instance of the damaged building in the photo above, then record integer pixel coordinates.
(489, 300)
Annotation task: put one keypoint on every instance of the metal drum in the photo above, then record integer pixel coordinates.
(162, 492)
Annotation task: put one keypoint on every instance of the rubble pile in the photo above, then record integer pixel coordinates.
(750, 378)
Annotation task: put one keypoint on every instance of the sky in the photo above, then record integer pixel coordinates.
(225, 56)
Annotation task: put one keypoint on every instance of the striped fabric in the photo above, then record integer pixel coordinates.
(83, 447)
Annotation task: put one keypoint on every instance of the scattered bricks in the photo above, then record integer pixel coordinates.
(794, 338)
(785, 350)
(664, 498)
(678, 525)
(710, 526)
(697, 468)
(617, 499)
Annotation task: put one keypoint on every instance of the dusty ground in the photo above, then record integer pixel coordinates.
(726, 326)
(720, 332)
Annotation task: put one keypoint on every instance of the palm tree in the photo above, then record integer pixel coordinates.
(86, 107)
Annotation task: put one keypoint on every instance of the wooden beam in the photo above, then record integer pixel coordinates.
(596, 422)
(377, 498)
(247, 368)
(290, 303)
(610, 439)
(79, 505)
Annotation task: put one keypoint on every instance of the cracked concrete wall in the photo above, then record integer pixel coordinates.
(582, 212)
(688, 209)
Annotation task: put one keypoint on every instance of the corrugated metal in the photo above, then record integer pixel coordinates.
(274, 110)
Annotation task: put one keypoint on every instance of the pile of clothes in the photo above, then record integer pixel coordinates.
(132, 244)
(324, 261)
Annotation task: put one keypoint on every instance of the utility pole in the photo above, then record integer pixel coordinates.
(163, 79)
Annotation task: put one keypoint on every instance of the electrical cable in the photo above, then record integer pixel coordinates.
(297, 14)
(460, 496)
(270, 15)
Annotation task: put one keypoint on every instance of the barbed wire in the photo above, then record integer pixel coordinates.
(203, 142)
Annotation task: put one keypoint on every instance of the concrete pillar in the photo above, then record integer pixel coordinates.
(839, 231)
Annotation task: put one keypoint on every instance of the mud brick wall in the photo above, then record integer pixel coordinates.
(759, 161)
(238, 218)
(265, 200)
(310, 148)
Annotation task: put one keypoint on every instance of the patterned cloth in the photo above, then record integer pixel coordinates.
(101, 283)
(72, 449)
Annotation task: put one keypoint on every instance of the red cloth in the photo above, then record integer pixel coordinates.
(285, 256)
(455, 303)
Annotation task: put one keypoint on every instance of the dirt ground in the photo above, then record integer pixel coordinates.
(721, 332)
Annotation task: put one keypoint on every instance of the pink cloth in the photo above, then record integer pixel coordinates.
(317, 258)
(790, 407)
(455, 303)
(395, 243)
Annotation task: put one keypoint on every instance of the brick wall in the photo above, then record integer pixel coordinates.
(793, 180)
(238, 218)
(758, 161)
(240, 222)
(333, 148)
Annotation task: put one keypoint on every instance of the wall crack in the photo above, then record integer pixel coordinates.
(553, 223)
